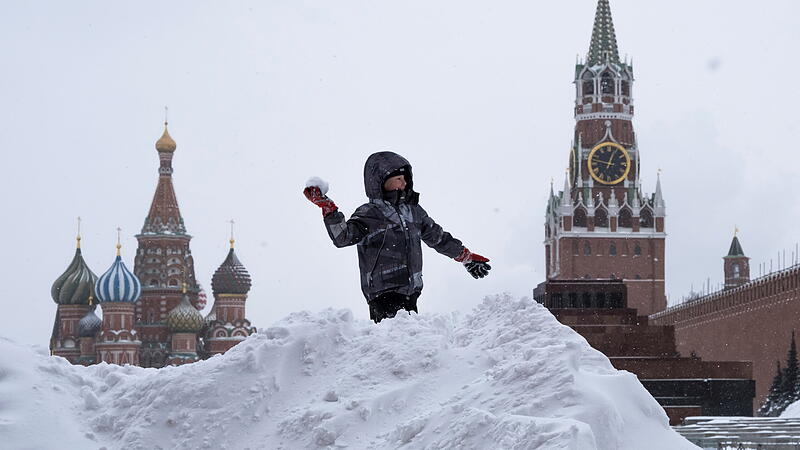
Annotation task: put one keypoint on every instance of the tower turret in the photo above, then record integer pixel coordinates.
(72, 292)
(163, 261)
(736, 265)
(184, 322)
(605, 227)
(118, 289)
(227, 324)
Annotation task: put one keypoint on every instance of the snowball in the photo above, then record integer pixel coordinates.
(319, 182)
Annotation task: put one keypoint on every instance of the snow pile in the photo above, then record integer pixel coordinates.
(791, 411)
(507, 376)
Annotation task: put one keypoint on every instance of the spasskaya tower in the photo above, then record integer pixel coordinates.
(602, 225)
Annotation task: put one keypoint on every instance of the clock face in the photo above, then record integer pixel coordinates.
(609, 163)
(573, 164)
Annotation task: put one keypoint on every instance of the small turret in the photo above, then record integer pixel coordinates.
(736, 264)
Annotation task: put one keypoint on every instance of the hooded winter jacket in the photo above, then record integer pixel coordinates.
(388, 231)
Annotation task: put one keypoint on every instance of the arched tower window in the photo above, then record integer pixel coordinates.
(601, 217)
(607, 83)
(626, 88)
(588, 84)
(735, 270)
(646, 218)
(579, 218)
(625, 218)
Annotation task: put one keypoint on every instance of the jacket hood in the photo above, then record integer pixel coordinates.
(378, 166)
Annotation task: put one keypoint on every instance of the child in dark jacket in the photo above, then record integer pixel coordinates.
(388, 231)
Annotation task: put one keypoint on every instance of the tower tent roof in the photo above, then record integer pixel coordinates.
(604, 41)
(736, 248)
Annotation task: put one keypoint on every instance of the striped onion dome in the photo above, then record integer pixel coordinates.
(76, 284)
(231, 277)
(202, 298)
(185, 318)
(90, 324)
(118, 284)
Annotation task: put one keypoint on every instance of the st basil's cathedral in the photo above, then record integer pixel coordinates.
(150, 316)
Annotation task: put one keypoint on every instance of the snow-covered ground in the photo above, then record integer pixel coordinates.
(506, 376)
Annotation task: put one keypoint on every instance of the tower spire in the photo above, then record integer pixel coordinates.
(78, 237)
(233, 240)
(603, 46)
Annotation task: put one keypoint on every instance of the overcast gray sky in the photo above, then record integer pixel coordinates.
(476, 94)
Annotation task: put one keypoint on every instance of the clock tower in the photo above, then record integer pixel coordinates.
(602, 225)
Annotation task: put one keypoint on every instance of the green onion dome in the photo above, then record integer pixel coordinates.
(76, 284)
(185, 318)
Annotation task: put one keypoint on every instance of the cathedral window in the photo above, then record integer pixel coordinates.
(587, 249)
(606, 83)
(612, 249)
(588, 84)
(153, 282)
(173, 282)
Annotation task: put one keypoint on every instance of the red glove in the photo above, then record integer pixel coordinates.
(476, 265)
(314, 195)
(467, 256)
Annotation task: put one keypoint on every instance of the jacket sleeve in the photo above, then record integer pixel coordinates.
(344, 233)
(436, 238)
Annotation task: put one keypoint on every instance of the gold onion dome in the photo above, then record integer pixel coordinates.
(231, 277)
(185, 317)
(165, 143)
(76, 285)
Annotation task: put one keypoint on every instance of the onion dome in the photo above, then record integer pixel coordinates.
(118, 284)
(212, 315)
(202, 298)
(165, 143)
(90, 324)
(76, 284)
(231, 277)
(185, 317)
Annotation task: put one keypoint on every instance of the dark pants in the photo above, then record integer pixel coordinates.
(386, 305)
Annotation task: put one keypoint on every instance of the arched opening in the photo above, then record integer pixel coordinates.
(173, 282)
(637, 249)
(612, 249)
(646, 218)
(625, 219)
(626, 88)
(607, 83)
(153, 282)
(587, 249)
(579, 218)
(588, 84)
(735, 270)
(601, 218)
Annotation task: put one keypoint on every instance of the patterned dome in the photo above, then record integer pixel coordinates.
(202, 298)
(76, 284)
(90, 324)
(165, 143)
(231, 277)
(118, 284)
(185, 317)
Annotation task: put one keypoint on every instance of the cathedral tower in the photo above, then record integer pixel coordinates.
(163, 262)
(72, 292)
(118, 290)
(602, 225)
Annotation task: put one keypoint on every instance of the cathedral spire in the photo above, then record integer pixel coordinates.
(603, 46)
(164, 215)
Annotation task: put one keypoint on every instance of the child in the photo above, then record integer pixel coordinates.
(388, 231)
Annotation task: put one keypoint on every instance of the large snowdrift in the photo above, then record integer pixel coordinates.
(507, 376)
